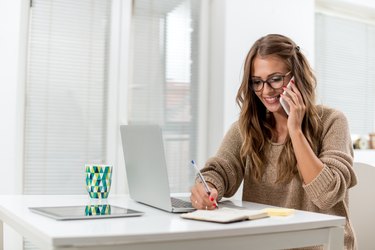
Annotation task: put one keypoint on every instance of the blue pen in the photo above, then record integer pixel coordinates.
(208, 190)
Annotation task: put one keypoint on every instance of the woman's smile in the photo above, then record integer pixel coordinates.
(272, 99)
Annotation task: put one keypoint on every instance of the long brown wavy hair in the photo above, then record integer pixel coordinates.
(256, 123)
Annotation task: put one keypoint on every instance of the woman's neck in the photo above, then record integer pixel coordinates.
(281, 128)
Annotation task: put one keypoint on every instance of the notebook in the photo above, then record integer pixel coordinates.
(225, 215)
(146, 168)
(234, 214)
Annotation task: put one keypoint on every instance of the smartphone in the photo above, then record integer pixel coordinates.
(283, 103)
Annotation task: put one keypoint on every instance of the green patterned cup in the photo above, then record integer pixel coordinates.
(98, 180)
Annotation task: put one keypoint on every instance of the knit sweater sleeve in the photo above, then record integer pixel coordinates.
(336, 153)
(225, 170)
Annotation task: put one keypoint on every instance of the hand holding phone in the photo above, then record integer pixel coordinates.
(283, 103)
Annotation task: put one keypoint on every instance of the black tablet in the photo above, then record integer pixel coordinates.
(85, 212)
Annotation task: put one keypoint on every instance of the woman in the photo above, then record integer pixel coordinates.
(301, 161)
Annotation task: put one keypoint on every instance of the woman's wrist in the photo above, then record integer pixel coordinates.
(295, 134)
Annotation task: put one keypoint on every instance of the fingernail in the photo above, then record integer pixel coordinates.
(292, 81)
(214, 205)
(211, 198)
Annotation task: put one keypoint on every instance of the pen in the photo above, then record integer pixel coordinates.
(208, 190)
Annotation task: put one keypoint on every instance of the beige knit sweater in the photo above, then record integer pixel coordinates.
(327, 193)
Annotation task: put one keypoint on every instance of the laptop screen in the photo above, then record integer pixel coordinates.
(145, 164)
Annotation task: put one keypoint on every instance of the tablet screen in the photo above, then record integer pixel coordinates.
(85, 212)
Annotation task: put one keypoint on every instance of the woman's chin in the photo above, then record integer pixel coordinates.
(274, 108)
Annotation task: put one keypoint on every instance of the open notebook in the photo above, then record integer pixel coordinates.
(227, 214)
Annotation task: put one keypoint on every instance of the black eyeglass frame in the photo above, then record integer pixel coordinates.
(267, 81)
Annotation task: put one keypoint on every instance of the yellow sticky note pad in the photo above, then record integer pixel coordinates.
(279, 211)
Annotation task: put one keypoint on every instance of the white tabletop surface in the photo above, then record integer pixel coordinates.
(154, 226)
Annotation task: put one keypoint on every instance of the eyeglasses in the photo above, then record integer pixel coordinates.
(276, 81)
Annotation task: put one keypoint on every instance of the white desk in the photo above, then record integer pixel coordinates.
(157, 229)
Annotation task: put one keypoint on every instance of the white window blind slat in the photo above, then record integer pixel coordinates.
(66, 94)
(345, 66)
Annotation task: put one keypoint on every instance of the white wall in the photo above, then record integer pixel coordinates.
(235, 26)
(10, 21)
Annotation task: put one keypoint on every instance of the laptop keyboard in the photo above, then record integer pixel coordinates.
(180, 203)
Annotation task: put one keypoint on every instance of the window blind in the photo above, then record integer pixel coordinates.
(164, 86)
(66, 94)
(345, 65)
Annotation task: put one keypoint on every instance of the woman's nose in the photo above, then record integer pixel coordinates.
(267, 87)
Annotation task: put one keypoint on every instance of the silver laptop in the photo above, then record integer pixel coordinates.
(146, 168)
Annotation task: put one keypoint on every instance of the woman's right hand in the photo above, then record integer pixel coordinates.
(200, 199)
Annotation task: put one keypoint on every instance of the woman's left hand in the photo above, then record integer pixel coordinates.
(297, 108)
